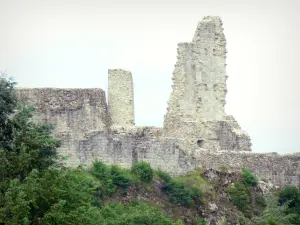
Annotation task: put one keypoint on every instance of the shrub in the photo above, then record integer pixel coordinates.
(100, 170)
(195, 181)
(290, 194)
(201, 222)
(248, 178)
(182, 190)
(144, 171)
(120, 177)
(274, 214)
(8, 103)
(131, 214)
(239, 195)
(260, 200)
(164, 176)
(111, 177)
(178, 193)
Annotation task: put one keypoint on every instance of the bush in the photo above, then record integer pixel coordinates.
(144, 171)
(260, 200)
(248, 178)
(201, 222)
(180, 194)
(111, 177)
(274, 214)
(184, 190)
(120, 177)
(239, 195)
(164, 176)
(100, 170)
(290, 194)
(131, 214)
(195, 181)
(8, 104)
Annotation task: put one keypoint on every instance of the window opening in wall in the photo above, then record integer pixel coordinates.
(200, 143)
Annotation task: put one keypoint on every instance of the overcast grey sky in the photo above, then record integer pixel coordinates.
(72, 43)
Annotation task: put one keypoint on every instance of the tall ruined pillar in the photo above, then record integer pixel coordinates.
(210, 63)
(199, 77)
(196, 108)
(120, 97)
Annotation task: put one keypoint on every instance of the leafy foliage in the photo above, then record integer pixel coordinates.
(144, 171)
(291, 195)
(164, 176)
(111, 177)
(194, 180)
(8, 104)
(32, 147)
(133, 214)
(24, 144)
(34, 189)
(248, 178)
(274, 214)
(201, 222)
(41, 192)
(243, 195)
(239, 195)
(178, 191)
(15, 206)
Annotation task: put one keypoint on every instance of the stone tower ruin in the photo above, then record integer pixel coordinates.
(199, 77)
(196, 105)
(120, 97)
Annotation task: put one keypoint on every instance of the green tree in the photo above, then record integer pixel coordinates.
(275, 214)
(24, 145)
(16, 205)
(32, 147)
(8, 103)
(290, 194)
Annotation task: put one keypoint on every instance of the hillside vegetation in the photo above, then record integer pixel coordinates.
(36, 187)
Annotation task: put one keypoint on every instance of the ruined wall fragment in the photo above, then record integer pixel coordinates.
(278, 169)
(199, 77)
(196, 106)
(120, 97)
(169, 154)
(210, 63)
(74, 112)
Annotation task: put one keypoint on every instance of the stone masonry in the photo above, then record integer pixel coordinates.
(120, 97)
(196, 132)
(73, 111)
(196, 106)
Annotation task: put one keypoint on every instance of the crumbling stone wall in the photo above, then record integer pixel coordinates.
(199, 77)
(140, 144)
(170, 154)
(196, 105)
(120, 97)
(74, 112)
(210, 63)
(278, 169)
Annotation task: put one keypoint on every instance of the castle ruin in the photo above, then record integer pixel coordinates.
(196, 131)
